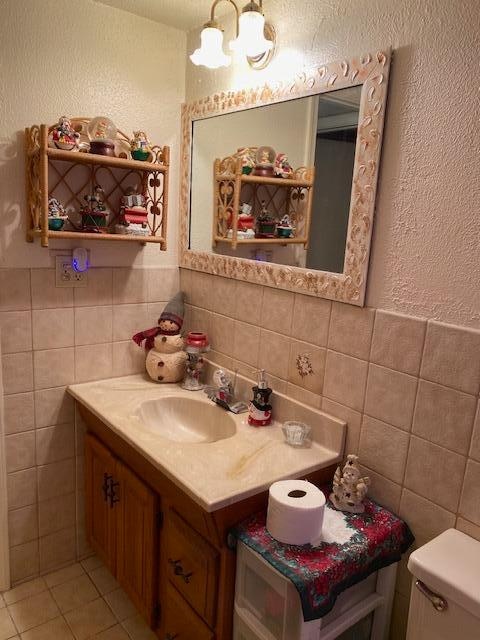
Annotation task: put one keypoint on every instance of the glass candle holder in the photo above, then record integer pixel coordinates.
(297, 434)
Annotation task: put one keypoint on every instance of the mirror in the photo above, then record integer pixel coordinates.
(278, 185)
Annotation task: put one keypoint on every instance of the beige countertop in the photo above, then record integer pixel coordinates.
(214, 474)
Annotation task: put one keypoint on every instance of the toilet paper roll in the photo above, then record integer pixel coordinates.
(295, 512)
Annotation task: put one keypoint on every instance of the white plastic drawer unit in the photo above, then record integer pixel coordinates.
(267, 605)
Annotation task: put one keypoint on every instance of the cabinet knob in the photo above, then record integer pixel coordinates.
(107, 479)
(171, 636)
(179, 570)
(113, 496)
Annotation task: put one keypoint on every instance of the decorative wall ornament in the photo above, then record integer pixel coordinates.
(304, 366)
(370, 70)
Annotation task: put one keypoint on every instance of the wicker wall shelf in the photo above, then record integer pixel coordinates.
(292, 196)
(70, 175)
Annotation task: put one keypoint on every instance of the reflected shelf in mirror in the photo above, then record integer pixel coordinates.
(259, 209)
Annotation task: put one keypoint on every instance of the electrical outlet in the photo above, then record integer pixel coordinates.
(65, 274)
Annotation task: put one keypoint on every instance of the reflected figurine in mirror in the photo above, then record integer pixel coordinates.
(266, 223)
(265, 162)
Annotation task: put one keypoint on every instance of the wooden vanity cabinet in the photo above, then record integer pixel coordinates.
(121, 523)
(170, 555)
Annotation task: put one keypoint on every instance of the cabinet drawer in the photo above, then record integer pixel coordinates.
(192, 566)
(180, 622)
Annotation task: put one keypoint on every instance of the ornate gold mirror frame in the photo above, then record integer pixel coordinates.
(369, 70)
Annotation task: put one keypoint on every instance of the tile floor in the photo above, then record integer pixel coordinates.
(78, 602)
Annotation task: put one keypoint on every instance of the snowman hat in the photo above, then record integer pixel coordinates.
(174, 311)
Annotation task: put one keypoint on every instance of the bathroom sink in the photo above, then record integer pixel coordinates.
(183, 419)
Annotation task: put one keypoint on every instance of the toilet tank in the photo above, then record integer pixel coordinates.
(446, 573)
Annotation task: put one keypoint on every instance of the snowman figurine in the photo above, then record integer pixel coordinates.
(166, 360)
(349, 488)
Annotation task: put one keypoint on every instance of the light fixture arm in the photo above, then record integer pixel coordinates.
(214, 6)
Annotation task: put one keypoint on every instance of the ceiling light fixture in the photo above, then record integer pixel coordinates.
(255, 38)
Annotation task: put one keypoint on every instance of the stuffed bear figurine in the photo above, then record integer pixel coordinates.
(166, 359)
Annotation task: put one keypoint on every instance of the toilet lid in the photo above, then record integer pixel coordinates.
(450, 565)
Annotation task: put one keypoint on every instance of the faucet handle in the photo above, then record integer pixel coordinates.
(210, 391)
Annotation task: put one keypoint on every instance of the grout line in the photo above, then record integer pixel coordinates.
(330, 314)
(462, 488)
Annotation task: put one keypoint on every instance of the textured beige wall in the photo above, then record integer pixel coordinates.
(425, 257)
(84, 59)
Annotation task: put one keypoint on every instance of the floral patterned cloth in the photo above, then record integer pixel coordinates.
(374, 539)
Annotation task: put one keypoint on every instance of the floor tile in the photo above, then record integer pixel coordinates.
(120, 604)
(103, 580)
(33, 611)
(25, 590)
(7, 628)
(74, 593)
(63, 575)
(92, 563)
(137, 629)
(114, 633)
(56, 629)
(90, 619)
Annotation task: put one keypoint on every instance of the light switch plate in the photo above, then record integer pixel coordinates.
(65, 274)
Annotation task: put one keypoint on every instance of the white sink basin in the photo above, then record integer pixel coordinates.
(183, 419)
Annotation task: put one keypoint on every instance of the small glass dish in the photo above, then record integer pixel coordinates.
(297, 434)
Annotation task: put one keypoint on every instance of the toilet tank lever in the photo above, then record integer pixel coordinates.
(438, 602)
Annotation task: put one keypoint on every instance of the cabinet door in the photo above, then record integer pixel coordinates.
(137, 540)
(192, 566)
(99, 511)
(180, 622)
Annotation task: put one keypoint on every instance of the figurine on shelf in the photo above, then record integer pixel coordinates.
(133, 215)
(266, 223)
(285, 229)
(56, 215)
(95, 213)
(140, 147)
(283, 169)
(265, 158)
(349, 488)
(63, 136)
(102, 134)
(166, 359)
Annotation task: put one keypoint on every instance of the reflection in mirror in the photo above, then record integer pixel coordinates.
(274, 183)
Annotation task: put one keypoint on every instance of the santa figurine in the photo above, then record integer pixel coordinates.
(166, 359)
(63, 136)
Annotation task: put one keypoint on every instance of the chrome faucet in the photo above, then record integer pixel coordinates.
(223, 392)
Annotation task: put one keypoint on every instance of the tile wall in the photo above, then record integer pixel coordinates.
(52, 337)
(407, 387)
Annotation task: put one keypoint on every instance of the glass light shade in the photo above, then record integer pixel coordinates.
(210, 54)
(251, 40)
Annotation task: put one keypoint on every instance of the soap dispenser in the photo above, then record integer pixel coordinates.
(259, 409)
